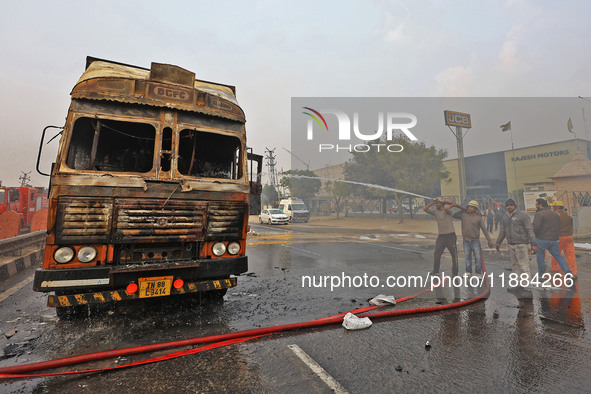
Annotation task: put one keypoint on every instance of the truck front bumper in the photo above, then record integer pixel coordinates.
(122, 295)
(118, 277)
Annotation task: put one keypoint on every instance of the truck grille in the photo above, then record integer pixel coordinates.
(82, 217)
(224, 220)
(146, 221)
(152, 219)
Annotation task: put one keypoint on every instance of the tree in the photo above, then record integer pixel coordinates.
(302, 184)
(417, 169)
(339, 191)
(269, 196)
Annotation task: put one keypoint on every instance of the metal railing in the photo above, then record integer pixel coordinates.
(14, 246)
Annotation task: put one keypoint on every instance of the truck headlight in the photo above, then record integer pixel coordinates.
(234, 248)
(218, 248)
(86, 254)
(63, 255)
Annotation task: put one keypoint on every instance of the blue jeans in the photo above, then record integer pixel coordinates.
(473, 248)
(553, 249)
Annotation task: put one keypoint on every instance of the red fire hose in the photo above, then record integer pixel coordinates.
(215, 341)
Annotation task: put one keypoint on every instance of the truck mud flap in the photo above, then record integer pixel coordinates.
(122, 295)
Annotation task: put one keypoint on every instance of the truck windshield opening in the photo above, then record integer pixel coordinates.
(209, 155)
(111, 146)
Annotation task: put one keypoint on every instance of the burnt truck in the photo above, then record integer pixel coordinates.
(149, 194)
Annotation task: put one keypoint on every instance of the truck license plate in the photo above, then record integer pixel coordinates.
(155, 287)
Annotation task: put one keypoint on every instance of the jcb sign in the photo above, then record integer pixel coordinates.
(457, 119)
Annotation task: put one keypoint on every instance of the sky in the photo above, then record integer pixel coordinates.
(273, 51)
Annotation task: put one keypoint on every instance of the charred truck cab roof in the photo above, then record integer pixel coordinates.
(164, 97)
(150, 182)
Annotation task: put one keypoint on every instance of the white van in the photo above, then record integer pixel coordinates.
(295, 209)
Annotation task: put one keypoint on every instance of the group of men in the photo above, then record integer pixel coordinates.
(550, 231)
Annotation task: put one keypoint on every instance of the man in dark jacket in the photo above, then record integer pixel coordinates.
(499, 213)
(546, 227)
(517, 228)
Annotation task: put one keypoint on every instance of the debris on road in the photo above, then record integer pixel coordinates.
(382, 299)
(11, 333)
(352, 322)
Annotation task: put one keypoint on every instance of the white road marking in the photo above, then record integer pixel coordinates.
(391, 247)
(301, 250)
(318, 370)
(16, 288)
(269, 228)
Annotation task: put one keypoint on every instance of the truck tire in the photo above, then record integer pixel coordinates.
(71, 312)
(216, 294)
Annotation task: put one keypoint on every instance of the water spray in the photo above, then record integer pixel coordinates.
(380, 187)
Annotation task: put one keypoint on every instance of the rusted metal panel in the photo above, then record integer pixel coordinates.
(83, 217)
(156, 254)
(147, 220)
(169, 73)
(105, 80)
(225, 219)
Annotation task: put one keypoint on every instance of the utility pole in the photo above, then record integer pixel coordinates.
(24, 178)
(270, 158)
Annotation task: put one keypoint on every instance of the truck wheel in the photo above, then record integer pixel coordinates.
(72, 312)
(216, 294)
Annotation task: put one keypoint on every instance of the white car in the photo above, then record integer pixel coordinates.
(273, 216)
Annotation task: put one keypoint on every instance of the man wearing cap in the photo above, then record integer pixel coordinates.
(566, 243)
(546, 227)
(472, 222)
(447, 233)
(517, 228)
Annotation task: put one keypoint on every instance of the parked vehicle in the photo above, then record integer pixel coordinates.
(295, 209)
(273, 216)
(24, 200)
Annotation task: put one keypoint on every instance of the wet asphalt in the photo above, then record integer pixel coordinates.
(514, 341)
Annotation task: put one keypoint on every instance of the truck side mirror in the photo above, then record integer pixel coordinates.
(41, 146)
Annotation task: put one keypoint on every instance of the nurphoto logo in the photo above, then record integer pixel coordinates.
(388, 124)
